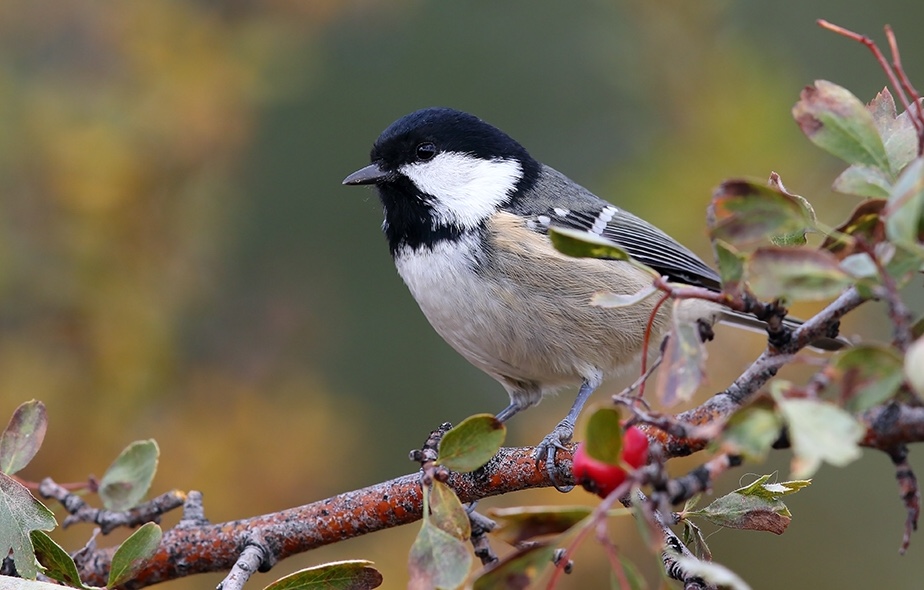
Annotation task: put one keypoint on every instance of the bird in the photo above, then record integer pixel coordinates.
(467, 213)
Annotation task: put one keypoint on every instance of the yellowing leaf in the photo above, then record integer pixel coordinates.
(437, 559)
(447, 512)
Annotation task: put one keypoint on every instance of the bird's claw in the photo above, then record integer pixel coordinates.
(548, 448)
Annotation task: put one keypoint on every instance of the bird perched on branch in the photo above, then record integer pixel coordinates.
(467, 214)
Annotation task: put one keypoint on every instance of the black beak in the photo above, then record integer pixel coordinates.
(371, 174)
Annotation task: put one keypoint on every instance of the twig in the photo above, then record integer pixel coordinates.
(251, 560)
(673, 547)
(481, 526)
(646, 341)
(109, 520)
(909, 492)
(724, 403)
(193, 511)
(700, 479)
(895, 73)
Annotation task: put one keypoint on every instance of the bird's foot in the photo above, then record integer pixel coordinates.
(548, 448)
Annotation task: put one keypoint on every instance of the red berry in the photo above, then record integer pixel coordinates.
(634, 447)
(596, 476)
(602, 478)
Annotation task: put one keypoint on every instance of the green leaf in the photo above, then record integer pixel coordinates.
(695, 541)
(773, 491)
(517, 570)
(604, 436)
(58, 564)
(752, 508)
(795, 273)
(712, 572)
(528, 522)
(437, 559)
(751, 432)
(21, 513)
(902, 262)
(861, 266)
(447, 512)
(128, 478)
(796, 237)
(611, 300)
(867, 375)
(472, 443)
(133, 553)
(684, 366)
(906, 202)
(898, 133)
(820, 432)
(584, 244)
(731, 265)
(744, 213)
(839, 123)
(23, 436)
(354, 574)
(863, 181)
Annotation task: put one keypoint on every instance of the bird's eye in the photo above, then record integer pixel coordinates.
(426, 151)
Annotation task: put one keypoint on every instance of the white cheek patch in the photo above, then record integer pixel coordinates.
(466, 189)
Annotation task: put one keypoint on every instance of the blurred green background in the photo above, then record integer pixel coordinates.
(180, 261)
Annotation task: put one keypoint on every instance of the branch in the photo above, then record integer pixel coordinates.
(200, 548)
(195, 546)
(722, 405)
(109, 520)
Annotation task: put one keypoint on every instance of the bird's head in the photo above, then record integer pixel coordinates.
(442, 172)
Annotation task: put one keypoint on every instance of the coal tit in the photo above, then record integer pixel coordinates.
(467, 212)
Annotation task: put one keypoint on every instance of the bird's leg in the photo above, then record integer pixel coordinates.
(508, 412)
(563, 432)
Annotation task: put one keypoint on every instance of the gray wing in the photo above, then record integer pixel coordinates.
(555, 200)
(645, 243)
